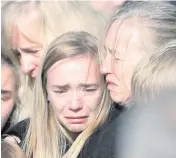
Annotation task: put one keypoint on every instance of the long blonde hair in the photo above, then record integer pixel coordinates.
(54, 18)
(11, 150)
(46, 138)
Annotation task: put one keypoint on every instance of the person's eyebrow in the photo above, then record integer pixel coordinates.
(5, 92)
(61, 86)
(108, 49)
(29, 49)
(92, 85)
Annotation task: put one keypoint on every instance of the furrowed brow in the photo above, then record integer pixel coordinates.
(60, 86)
(89, 85)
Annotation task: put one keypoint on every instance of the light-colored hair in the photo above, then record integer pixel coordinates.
(155, 76)
(46, 138)
(55, 18)
(158, 17)
(11, 150)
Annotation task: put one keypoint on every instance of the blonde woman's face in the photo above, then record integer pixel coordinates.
(123, 49)
(74, 87)
(28, 43)
(7, 93)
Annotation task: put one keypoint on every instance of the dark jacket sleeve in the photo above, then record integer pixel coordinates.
(19, 130)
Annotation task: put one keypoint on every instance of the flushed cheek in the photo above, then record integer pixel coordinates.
(60, 108)
(7, 108)
(93, 101)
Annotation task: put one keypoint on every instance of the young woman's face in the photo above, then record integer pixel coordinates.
(7, 93)
(124, 49)
(28, 43)
(74, 87)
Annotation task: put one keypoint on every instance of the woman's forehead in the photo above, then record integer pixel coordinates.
(122, 33)
(71, 59)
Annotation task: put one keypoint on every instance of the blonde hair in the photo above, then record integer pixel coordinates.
(155, 75)
(54, 19)
(46, 138)
(11, 150)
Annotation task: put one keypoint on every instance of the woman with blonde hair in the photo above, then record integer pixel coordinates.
(70, 99)
(137, 30)
(29, 26)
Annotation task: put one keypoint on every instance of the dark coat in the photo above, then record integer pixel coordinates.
(19, 130)
(101, 143)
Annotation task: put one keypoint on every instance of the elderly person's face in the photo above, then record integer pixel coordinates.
(124, 49)
(7, 93)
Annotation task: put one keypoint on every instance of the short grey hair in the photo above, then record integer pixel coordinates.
(158, 17)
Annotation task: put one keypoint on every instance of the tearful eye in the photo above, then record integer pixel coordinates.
(32, 51)
(116, 59)
(91, 90)
(116, 56)
(60, 92)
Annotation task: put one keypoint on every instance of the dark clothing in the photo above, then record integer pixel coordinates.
(8, 123)
(91, 146)
(102, 139)
(19, 130)
(6, 126)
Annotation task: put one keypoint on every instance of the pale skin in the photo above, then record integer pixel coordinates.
(124, 49)
(7, 93)
(106, 6)
(27, 43)
(75, 99)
